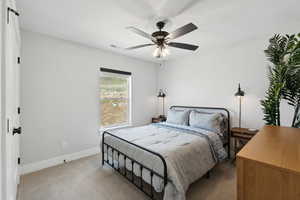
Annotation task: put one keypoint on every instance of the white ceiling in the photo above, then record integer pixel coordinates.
(100, 23)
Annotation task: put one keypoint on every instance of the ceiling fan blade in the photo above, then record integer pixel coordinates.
(139, 46)
(182, 31)
(183, 46)
(141, 33)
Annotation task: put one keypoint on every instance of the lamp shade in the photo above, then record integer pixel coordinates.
(161, 94)
(240, 93)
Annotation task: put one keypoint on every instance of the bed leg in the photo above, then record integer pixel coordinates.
(102, 148)
(207, 175)
(102, 158)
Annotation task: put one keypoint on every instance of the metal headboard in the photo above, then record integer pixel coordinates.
(224, 111)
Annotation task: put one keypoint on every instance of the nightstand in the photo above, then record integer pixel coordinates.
(158, 119)
(241, 136)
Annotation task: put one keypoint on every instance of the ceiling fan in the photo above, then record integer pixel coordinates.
(162, 39)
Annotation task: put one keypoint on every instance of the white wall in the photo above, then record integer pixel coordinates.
(210, 77)
(60, 98)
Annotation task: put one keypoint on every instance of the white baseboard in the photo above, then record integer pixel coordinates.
(32, 167)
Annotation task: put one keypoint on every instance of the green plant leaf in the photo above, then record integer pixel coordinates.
(284, 76)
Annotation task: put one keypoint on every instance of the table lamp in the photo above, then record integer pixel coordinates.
(240, 93)
(162, 95)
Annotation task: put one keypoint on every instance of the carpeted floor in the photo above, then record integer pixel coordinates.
(84, 179)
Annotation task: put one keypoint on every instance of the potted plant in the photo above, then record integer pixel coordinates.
(284, 75)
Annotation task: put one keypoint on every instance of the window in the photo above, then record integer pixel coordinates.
(115, 98)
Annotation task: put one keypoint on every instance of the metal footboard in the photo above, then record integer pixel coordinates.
(129, 173)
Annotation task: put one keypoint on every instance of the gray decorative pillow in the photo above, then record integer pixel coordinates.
(209, 121)
(179, 117)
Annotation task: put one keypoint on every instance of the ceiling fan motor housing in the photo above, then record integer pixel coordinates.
(160, 35)
(160, 25)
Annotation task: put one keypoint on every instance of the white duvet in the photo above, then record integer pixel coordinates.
(189, 154)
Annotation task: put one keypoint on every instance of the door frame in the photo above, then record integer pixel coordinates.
(2, 25)
(4, 56)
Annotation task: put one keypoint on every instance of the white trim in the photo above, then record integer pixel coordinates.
(114, 126)
(130, 100)
(101, 130)
(36, 166)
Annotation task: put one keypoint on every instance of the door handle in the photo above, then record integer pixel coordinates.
(17, 131)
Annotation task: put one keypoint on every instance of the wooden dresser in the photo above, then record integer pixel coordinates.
(268, 167)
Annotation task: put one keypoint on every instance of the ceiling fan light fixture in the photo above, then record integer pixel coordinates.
(165, 52)
(156, 52)
(161, 51)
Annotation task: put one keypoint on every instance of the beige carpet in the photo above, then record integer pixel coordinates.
(84, 179)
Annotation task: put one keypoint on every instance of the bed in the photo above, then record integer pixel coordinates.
(163, 159)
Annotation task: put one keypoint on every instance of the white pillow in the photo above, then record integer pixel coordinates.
(208, 121)
(179, 117)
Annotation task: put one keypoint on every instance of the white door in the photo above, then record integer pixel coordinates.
(12, 49)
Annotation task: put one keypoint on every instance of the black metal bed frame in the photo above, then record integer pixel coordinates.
(129, 174)
(133, 161)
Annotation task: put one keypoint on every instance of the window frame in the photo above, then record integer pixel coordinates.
(129, 111)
